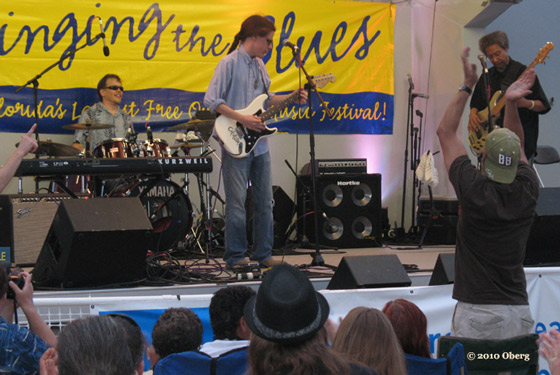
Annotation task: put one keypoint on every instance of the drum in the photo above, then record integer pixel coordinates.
(167, 206)
(113, 148)
(156, 149)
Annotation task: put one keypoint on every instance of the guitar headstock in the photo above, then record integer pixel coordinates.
(321, 80)
(541, 56)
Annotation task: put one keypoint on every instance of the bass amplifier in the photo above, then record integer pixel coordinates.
(25, 220)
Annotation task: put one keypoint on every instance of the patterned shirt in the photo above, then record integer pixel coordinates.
(99, 114)
(21, 349)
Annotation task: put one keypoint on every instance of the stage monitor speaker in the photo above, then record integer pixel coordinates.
(282, 212)
(542, 245)
(444, 270)
(371, 271)
(352, 204)
(95, 242)
(25, 220)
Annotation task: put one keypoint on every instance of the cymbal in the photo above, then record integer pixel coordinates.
(87, 126)
(188, 145)
(194, 124)
(55, 149)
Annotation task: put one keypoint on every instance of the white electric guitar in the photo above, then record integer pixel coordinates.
(240, 141)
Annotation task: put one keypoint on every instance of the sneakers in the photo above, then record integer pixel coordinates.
(269, 263)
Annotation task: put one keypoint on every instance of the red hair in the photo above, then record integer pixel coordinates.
(410, 325)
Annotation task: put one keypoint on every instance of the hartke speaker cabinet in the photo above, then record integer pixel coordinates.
(353, 205)
(371, 271)
(95, 242)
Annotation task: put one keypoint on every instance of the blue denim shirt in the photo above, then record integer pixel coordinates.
(237, 80)
(21, 349)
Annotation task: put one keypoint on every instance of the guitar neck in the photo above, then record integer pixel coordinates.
(500, 104)
(270, 113)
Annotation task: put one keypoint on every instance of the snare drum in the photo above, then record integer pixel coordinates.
(156, 149)
(113, 148)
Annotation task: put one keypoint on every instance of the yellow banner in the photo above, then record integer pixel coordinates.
(175, 45)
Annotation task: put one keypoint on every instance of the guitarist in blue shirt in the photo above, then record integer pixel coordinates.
(505, 71)
(239, 78)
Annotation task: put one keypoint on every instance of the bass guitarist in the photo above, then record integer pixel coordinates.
(505, 71)
(239, 78)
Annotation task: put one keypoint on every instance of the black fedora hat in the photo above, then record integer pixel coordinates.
(286, 309)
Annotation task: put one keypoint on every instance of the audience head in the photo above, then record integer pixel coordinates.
(410, 325)
(366, 335)
(134, 339)
(177, 330)
(94, 345)
(501, 156)
(226, 312)
(286, 318)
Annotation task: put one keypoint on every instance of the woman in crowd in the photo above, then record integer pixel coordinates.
(366, 335)
(410, 325)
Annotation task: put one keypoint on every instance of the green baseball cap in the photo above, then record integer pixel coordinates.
(503, 150)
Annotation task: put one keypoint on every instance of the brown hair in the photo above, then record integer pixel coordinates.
(103, 82)
(255, 25)
(311, 356)
(497, 37)
(366, 335)
(410, 325)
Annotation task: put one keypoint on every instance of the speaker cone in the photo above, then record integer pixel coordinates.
(361, 195)
(332, 195)
(361, 227)
(333, 228)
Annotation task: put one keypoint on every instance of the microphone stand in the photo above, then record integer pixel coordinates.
(317, 258)
(408, 121)
(35, 82)
(490, 124)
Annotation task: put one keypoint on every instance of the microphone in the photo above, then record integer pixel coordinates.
(331, 228)
(287, 43)
(483, 62)
(105, 47)
(149, 133)
(424, 96)
(410, 83)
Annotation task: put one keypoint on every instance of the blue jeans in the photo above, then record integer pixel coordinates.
(237, 173)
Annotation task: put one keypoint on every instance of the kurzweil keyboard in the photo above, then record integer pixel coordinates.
(113, 166)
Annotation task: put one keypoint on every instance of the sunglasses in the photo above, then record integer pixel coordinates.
(115, 88)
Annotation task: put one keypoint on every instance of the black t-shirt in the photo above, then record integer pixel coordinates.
(501, 81)
(492, 232)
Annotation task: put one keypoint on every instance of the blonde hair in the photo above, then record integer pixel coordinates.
(366, 335)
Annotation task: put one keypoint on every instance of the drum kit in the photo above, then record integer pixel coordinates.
(167, 204)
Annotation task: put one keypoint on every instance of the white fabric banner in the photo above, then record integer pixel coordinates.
(543, 286)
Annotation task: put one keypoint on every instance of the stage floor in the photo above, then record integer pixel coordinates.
(202, 277)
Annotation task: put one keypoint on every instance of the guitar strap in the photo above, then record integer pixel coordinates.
(510, 77)
(262, 79)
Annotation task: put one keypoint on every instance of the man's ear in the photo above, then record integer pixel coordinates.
(243, 330)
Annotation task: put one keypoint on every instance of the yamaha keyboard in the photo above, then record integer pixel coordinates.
(113, 166)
